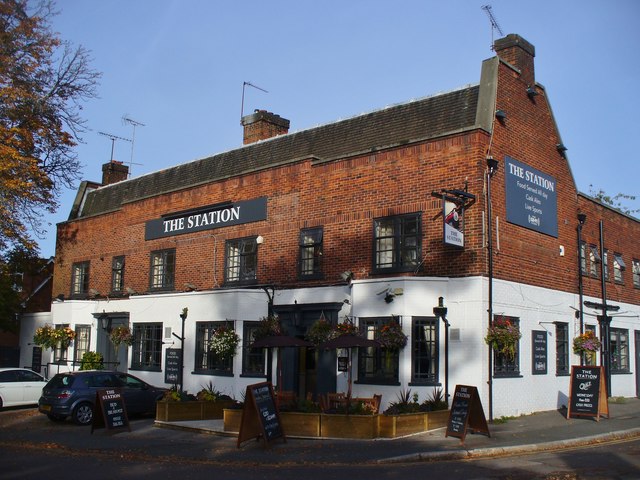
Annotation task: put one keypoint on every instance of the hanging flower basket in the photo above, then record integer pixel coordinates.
(50, 337)
(268, 327)
(586, 343)
(346, 328)
(121, 335)
(392, 337)
(503, 336)
(224, 342)
(320, 332)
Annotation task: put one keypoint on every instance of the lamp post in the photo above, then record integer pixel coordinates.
(582, 218)
(183, 317)
(441, 312)
(492, 167)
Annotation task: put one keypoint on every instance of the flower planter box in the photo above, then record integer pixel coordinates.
(231, 419)
(349, 426)
(392, 426)
(298, 424)
(183, 411)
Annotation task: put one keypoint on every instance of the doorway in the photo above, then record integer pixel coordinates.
(114, 359)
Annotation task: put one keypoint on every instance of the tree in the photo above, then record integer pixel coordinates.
(43, 83)
(616, 201)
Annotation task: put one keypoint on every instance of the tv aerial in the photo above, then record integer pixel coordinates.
(244, 85)
(128, 120)
(494, 23)
(113, 140)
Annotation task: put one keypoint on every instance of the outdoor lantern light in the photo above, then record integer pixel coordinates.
(105, 322)
(492, 163)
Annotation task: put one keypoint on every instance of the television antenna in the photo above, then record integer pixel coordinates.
(113, 140)
(134, 124)
(245, 84)
(494, 23)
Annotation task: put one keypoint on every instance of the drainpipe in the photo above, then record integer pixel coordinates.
(492, 167)
(441, 312)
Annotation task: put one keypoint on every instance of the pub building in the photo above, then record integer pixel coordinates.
(442, 215)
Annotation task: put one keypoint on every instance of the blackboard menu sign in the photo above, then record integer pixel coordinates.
(260, 415)
(109, 411)
(172, 366)
(36, 359)
(466, 413)
(588, 392)
(343, 364)
(539, 352)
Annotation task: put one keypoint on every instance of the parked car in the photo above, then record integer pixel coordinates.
(74, 394)
(20, 386)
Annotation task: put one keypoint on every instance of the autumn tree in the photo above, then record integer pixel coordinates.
(43, 83)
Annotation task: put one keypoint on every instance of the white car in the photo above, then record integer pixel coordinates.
(20, 386)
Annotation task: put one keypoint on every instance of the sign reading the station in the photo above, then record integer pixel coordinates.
(260, 415)
(588, 392)
(109, 411)
(532, 198)
(466, 413)
(207, 218)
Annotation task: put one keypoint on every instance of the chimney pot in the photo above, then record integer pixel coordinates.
(262, 124)
(519, 53)
(114, 172)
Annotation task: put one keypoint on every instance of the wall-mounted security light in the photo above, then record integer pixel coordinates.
(93, 293)
(347, 275)
(531, 92)
(259, 239)
(562, 149)
(189, 287)
(492, 163)
(501, 115)
(582, 218)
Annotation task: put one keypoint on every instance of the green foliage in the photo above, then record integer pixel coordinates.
(616, 201)
(268, 327)
(209, 393)
(436, 401)
(92, 361)
(320, 332)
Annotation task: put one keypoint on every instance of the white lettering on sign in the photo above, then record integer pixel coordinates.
(196, 220)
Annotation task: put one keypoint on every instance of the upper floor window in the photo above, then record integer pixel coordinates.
(396, 243)
(594, 259)
(425, 356)
(583, 258)
(241, 260)
(311, 253)
(147, 346)
(80, 278)
(636, 273)
(618, 267)
(117, 274)
(163, 268)
(605, 264)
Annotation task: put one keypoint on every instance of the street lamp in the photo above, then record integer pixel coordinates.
(183, 317)
(492, 168)
(441, 312)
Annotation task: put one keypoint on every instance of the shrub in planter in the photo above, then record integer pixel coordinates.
(92, 361)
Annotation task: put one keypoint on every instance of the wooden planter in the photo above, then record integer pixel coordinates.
(392, 426)
(349, 426)
(183, 411)
(298, 424)
(231, 419)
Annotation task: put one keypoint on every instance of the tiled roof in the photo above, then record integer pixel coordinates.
(405, 123)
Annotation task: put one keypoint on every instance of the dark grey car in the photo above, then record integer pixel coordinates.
(74, 394)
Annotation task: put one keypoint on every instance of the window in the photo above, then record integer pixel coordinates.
(241, 260)
(253, 364)
(583, 258)
(424, 361)
(311, 253)
(605, 264)
(562, 348)
(376, 365)
(618, 267)
(147, 346)
(619, 350)
(594, 259)
(163, 267)
(397, 243)
(206, 360)
(504, 365)
(80, 279)
(117, 274)
(636, 273)
(82, 341)
(590, 358)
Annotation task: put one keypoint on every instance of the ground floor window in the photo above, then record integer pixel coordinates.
(377, 365)
(619, 350)
(82, 342)
(253, 363)
(562, 348)
(207, 361)
(147, 346)
(424, 351)
(506, 365)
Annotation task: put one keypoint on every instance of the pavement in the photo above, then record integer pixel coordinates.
(543, 431)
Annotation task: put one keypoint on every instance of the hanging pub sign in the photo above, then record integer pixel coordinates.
(207, 218)
(454, 203)
(532, 198)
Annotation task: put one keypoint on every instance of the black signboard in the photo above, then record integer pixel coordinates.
(343, 364)
(172, 366)
(109, 411)
(539, 352)
(36, 359)
(466, 413)
(260, 415)
(588, 392)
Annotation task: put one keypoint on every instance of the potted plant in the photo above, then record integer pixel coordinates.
(503, 337)
(586, 343)
(224, 342)
(92, 361)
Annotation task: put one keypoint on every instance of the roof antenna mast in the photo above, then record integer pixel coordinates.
(494, 23)
(130, 121)
(244, 84)
(113, 140)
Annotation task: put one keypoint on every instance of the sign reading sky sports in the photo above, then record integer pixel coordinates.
(207, 218)
(532, 199)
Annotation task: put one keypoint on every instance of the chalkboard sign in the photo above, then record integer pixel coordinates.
(538, 352)
(260, 415)
(172, 366)
(466, 413)
(343, 364)
(36, 359)
(588, 393)
(109, 411)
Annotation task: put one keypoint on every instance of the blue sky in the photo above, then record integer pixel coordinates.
(178, 67)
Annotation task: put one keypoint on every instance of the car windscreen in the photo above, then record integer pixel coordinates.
(61, 380)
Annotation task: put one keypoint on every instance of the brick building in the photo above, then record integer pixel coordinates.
(464, 197)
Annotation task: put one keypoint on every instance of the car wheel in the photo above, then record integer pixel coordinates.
(56, 418)
(83, 414)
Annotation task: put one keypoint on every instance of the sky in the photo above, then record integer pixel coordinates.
(177, 69)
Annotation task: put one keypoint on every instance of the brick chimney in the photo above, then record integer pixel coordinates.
(114, 172)
(519, 53)
(261, 125)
